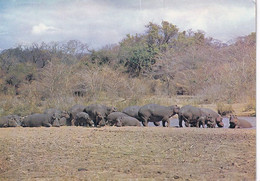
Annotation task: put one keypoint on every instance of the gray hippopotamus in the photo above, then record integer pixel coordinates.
(133, 112)
(112, 117)
(98, 113)
(235, 122)
(73, 111)
(127, 121)
(214, 115)
(38, 120)
(62, 116)
(157, 113)
(83, 119)
(195, 117)
(10, 121)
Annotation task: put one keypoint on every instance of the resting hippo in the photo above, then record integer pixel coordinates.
(62, 116)
(83, 119)
(37, 120)
(127, 121)
(214, 115)
(235, 122)
(98, 113)
(157, 113)
(10, 121)
(73, 111)
(112, 117)
(195, 117)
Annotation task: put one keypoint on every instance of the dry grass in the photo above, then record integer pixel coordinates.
(153, 153)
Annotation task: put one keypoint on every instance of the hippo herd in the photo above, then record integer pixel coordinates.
(97, 115)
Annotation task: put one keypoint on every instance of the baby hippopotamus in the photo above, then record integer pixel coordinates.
(234, 122)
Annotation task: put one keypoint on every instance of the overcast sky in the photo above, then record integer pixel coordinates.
(101, 22)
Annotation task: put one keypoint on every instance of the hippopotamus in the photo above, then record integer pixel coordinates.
(38, 120)
(235, 122)
(10, 121)
(133, 112)
(157, 113)
(127, 121)
(83, 119)
(73, 111)
(112, 117)
(98, 113)
(62, 116)
(195, 117)
(214, 115)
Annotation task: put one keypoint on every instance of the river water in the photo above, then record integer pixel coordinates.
(175, 122)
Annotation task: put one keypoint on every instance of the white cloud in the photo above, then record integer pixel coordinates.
(108, 21)
(43, 29)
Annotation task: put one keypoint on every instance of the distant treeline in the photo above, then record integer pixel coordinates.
(162, 61)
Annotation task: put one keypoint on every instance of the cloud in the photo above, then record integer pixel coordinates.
(102, 22)
(43, 29)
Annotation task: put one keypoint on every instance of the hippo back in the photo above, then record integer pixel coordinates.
(132, 111)
(37, 120)
(155, 112)
(112, 117)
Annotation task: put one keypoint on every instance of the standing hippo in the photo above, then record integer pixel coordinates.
(10, 121)
(157, 113)
(195, 117)
(235, 122)
(127, 121)
(133, 112)
(73, 111)
(98, 113)
(215, 115)
(83, 119)
(38, 120)
(112, 117)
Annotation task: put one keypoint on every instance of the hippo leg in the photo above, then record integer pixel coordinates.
(156, 123)
(180, 121)
(145, 123)
(187, 124)
(167, 121)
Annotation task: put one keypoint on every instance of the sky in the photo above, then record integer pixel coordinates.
(102, 22)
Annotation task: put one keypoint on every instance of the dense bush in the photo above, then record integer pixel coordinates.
(161, 62)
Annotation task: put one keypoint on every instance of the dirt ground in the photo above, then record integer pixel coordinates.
(128, 153)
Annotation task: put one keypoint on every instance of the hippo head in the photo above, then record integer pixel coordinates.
(176, 109)
(100, 120)
(111, 109)
(91, 123)
(63, 121)
(12, 123)
(65, 114)
(17, 120)
(211, 123)
(233, 121)
(55, 119)
(118, 122)
(219, 121)
(56, 123)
